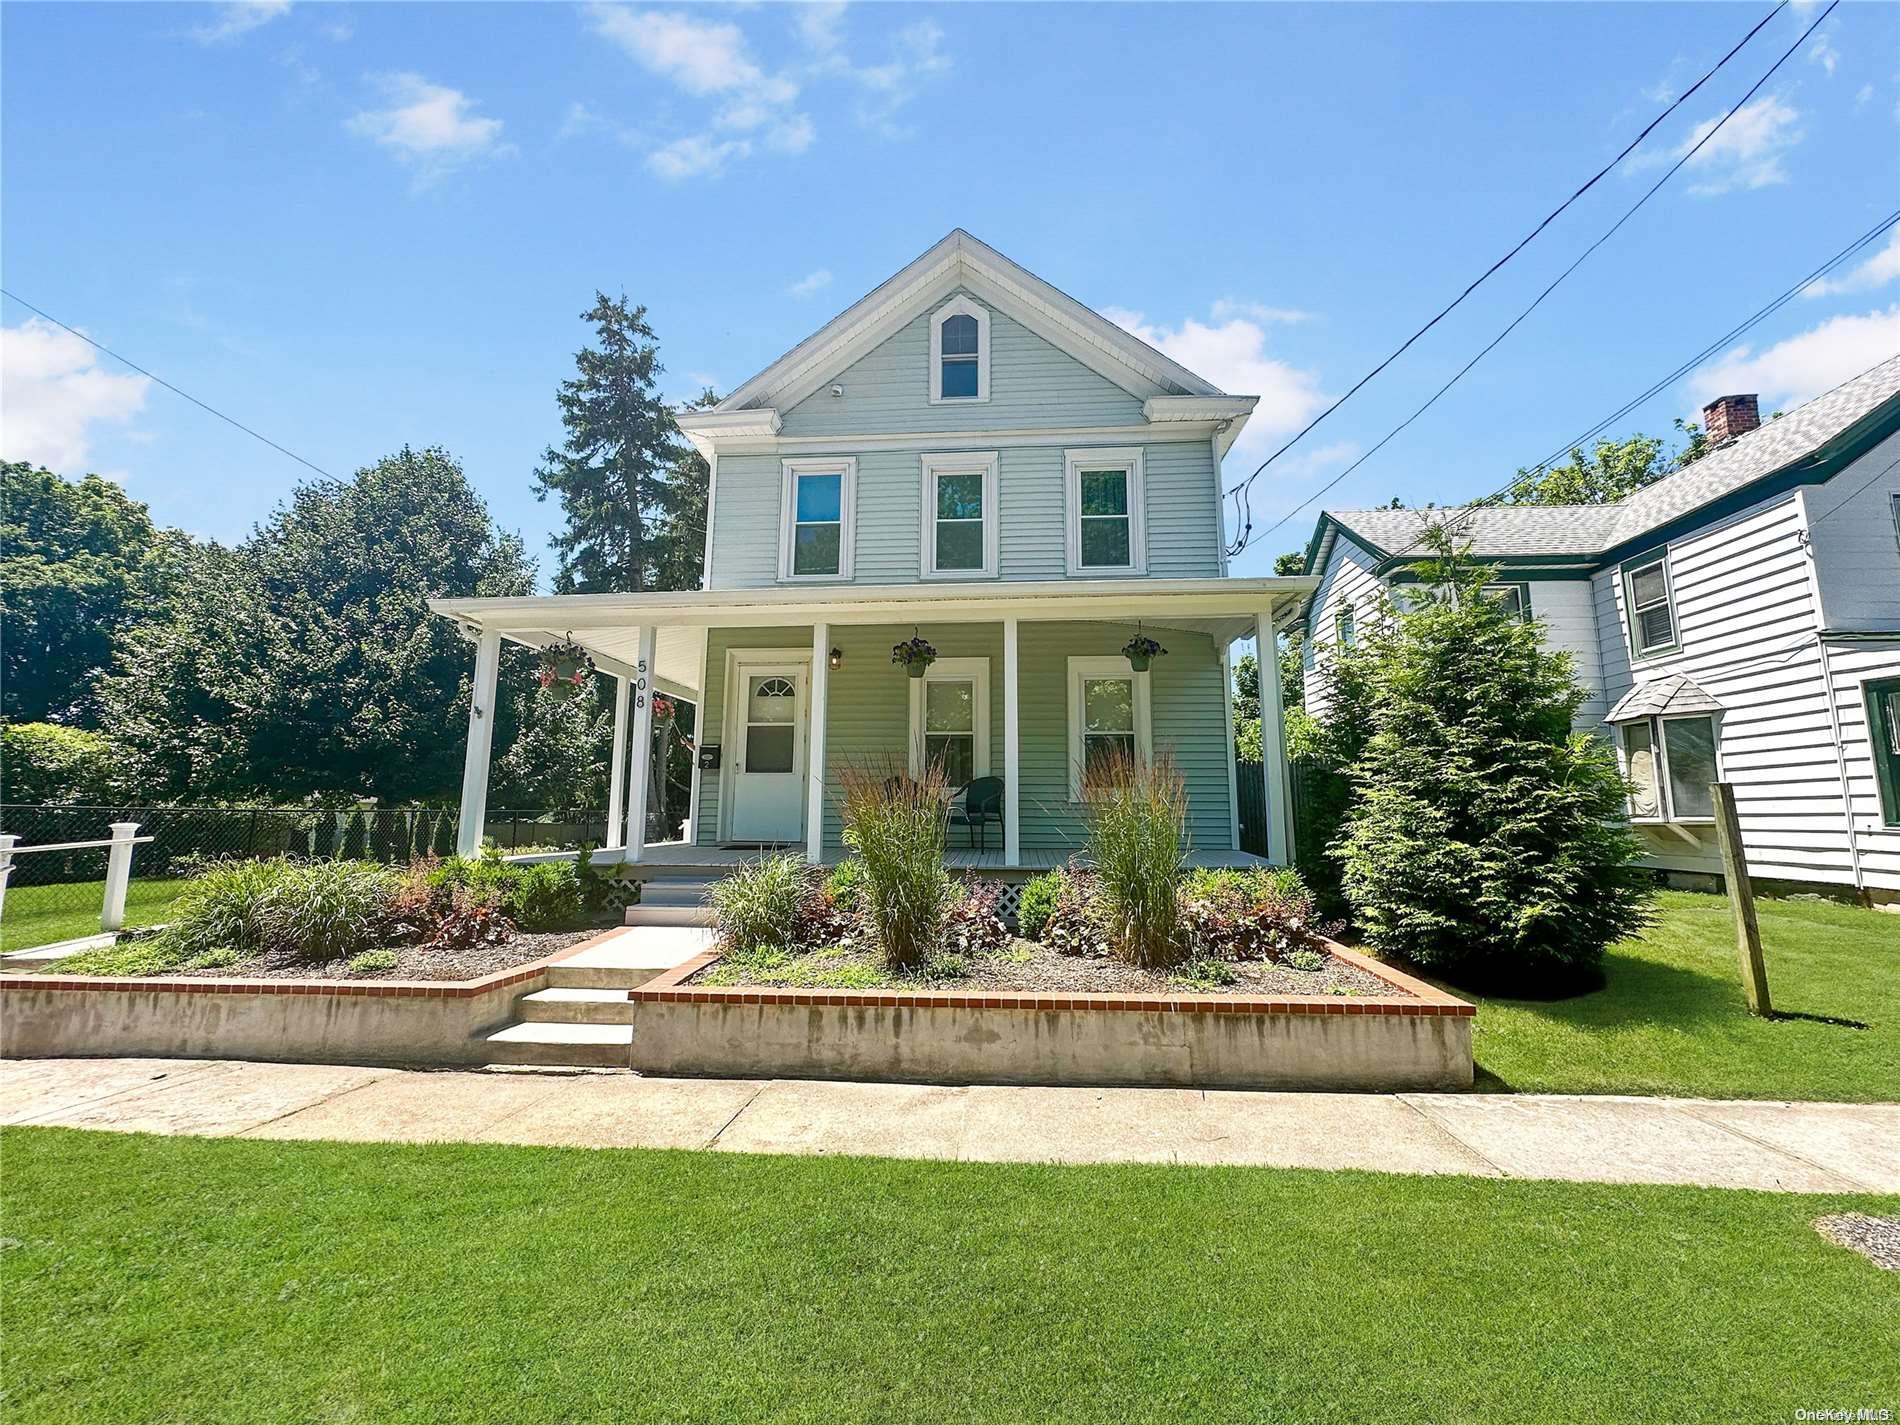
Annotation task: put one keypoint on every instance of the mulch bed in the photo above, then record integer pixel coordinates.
(1027, 966)
(413, 962)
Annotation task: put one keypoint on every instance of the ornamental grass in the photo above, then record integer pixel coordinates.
(1137, 820)
(895, 823)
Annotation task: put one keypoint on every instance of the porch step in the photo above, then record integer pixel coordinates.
(629, 958)
(648, 914)
(669, 891)
(583, 1046)
(575, 1005)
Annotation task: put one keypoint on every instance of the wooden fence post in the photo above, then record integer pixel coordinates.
(1741, 896)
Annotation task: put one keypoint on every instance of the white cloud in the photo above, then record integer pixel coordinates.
(1864, 95)
(337, 31)
(53, 392)
(811, 283)
(916, 56)
(1804, 365)
(1825, 55)
(430, 128)
(1227, 307)
(1232, 353)
(1748, 151)
(238, 19)
(1876, 271)
(694, 155)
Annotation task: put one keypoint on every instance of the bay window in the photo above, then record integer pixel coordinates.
(1670, 762)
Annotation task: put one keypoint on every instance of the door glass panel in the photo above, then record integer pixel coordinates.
(1690, 743)
(771, 732)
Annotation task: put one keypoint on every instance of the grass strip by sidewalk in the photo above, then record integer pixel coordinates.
(155, 1279)
(1671, 1018)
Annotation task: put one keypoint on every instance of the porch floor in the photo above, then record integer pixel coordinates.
(679, 856)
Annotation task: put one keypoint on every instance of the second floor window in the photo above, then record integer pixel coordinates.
(815, 538)
(1345, 626)
(959, 499)
(959, 352)
(1105, 500)
(1649, 607)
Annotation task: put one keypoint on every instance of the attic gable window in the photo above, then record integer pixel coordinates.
(959, 353)
(1649, 607)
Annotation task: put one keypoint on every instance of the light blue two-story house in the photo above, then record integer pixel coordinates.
(968, 456)
(1738, 620)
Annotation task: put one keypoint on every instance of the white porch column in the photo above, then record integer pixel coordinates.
(640, 764)
(815, 744)
(1012, 748)
(617, 769)
(481, 741)
(1273, 744)
(1233, 769)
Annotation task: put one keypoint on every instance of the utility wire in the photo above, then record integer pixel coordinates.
(1536, 302)
(1240, 491)
(154, 376)
(1725, 339)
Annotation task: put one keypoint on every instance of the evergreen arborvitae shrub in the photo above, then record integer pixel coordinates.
(1486, 840)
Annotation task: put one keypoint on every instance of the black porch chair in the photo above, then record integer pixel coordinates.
(982, 804)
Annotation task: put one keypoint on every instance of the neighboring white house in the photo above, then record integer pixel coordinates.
(970, 457)
(1739, 619)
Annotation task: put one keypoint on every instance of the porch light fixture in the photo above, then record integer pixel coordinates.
(837, 659)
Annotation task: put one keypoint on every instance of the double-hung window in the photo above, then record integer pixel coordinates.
(816, 522)
(950, 719)
(1649, 607)
(959, 501)
(959, 353)
(1670, 762)
(1104, 494)
(1883, 733)
(1109, 716)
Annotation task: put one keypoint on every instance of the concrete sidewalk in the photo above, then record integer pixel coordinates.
(1783, 1147)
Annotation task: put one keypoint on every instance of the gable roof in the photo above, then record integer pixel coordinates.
(962, 261)
(1866, 405)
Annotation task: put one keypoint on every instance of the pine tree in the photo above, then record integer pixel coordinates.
(1486, 839)
(629, 486)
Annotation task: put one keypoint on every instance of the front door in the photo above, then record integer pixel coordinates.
(768, 765)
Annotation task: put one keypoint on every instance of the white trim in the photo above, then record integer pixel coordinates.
(1273, 760)
(970, 462)
(1111, 457)
(1110, 666)
(712, 510)
(939, 439)
(1220, 519)
(960, 306)
(844, 466)
(1012, 745)
(1233, 747)
(640, 744)
(816, 712)
(481, 743)
(975, 671)
(617, 768)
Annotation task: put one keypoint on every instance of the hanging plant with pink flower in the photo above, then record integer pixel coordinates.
(565, 668)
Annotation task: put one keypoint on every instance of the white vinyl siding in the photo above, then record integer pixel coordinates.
(1854, 521)
(1347, 579)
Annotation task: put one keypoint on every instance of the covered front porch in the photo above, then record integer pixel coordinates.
(792, 684)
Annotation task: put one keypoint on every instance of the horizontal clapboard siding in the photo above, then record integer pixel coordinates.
(868, 722)
(1180, 514)
(1852, 666)
(1032, 384)
(1856, 543)
(1746, 616)
(1346, 580)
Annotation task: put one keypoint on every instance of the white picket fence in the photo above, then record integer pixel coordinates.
(118, 849)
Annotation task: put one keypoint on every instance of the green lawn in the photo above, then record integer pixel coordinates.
(193, 1280)
(1672, 1020)
(40, 915)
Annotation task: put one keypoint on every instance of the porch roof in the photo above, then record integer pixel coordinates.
(607, 625)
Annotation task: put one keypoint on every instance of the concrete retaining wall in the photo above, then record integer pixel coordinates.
(284, 1022)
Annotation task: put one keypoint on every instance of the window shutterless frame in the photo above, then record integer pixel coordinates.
(822, 519)
(957, 347)
(1514, 595)
(1104, 511)
(1649, 607)
(976, 673)
(959, 533)
(1084, 671)
(1883, 735)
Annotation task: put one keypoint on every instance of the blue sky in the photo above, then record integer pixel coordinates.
(355, 226)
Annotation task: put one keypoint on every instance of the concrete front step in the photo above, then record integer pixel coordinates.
(629, 958)
(564, 1004)
(689, 893)
(581, 1046)
(648, 914)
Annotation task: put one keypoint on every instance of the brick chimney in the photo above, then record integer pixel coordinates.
(1726, 417)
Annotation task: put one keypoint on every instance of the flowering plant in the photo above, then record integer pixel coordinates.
(1141, 650)
(564, 668)
(915, 654)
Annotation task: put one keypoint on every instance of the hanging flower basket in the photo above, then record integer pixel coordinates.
(1141, 652)
(564, 669)
(662, 708)
(915, 654)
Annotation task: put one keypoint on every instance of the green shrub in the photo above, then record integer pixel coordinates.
(545, 896)
(1486, 840)
(219, 909)
(1306, 960)
(325, 910)
(845, 884)
(373, 962)
(1076, 924)
(1137, 819)
(1035, 903)
(44, 762)
(1260, 914)
(972, 923)
(760, 904)
(895, 823)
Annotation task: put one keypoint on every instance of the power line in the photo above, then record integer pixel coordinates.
(1760, 315)
(1239, 492)
(1536, 302)
(154, 376)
